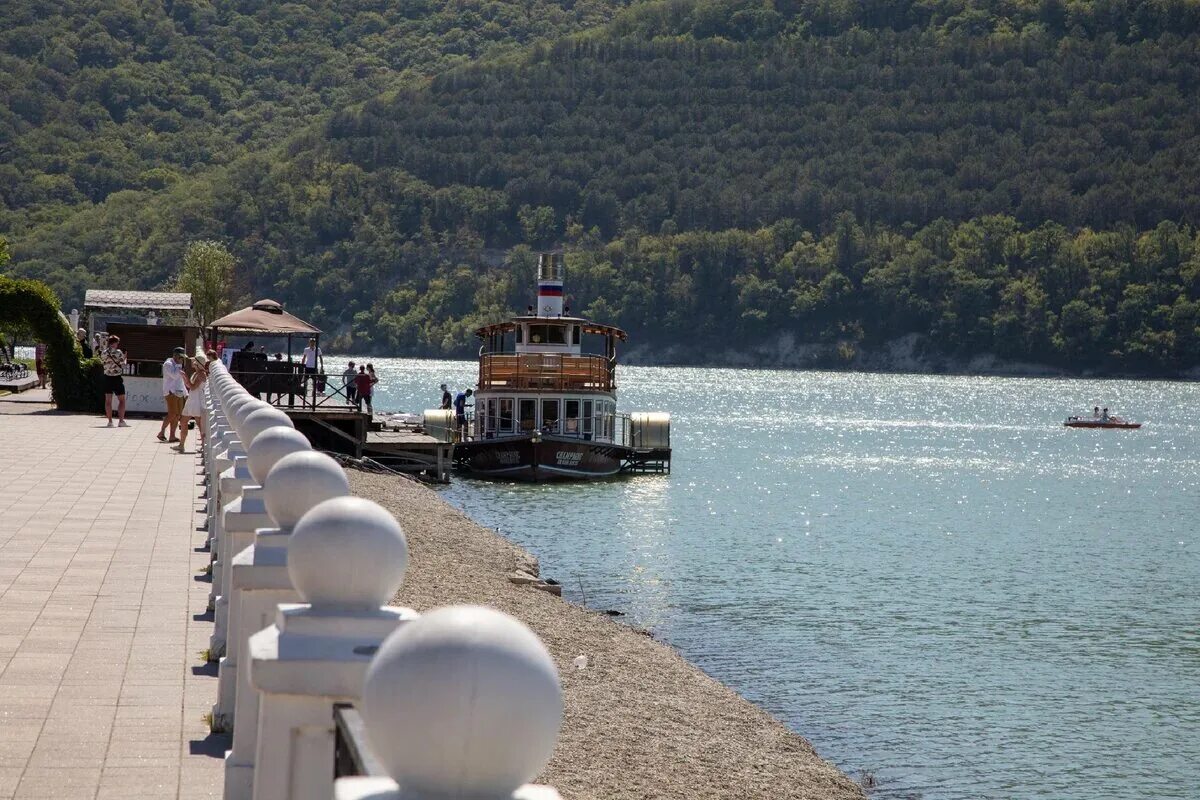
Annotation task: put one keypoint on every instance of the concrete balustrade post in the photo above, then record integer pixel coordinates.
(346, 558)
(225, 448)
(242, 514)
(226, 452)
(297, 483)
(216, 428)
(227, 483)
(463, 703)
(266, 449)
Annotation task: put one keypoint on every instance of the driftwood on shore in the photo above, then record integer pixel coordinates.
(640, 721)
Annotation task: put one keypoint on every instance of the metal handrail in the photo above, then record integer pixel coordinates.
(621, 433)
(267, 383)
(351, 753)
(547, 372)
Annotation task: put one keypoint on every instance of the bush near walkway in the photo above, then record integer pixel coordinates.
(31, 304)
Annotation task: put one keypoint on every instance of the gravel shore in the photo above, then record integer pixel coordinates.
(640, 721)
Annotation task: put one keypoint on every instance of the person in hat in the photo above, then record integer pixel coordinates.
(446, 398)
(174, 394)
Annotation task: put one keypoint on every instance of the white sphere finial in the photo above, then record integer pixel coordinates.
(270, 446)
(301, 481)
(233, 400)
(259, 420)
(347, 553)
(462, 702)
(239, 407)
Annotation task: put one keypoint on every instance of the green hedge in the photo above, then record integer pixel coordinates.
(76, 381)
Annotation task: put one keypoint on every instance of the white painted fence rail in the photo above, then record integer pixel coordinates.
(462, 702)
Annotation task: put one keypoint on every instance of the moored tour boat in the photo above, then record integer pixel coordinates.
(546, 399)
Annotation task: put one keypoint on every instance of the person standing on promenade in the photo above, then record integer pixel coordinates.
(174, 394)
(348, 384)
(362, 386)
(193, 407)
(113, 362)
(445, 398)
(39, 364)
(81, 335)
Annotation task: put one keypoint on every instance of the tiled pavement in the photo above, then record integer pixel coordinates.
(102, 687)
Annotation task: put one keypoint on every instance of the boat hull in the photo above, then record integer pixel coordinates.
(1090, 424)
(526, 458)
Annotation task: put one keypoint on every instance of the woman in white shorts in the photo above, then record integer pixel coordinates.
(194, 407)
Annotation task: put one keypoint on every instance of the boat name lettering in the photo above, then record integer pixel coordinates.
(567, 458)
(509, 457)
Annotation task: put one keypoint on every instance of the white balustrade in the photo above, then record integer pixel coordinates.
(346, 558)
(229, 482)
(463, 703)
(266, 449)
(297, 483)
(243, 514)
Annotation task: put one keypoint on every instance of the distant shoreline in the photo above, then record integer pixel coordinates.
(897, 358)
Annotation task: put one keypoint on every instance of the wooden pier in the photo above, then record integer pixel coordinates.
(345, 430)
(408, 450)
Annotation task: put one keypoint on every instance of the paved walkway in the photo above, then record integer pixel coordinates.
(102, 689)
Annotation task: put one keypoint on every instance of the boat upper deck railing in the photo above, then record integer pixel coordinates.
(552, 372)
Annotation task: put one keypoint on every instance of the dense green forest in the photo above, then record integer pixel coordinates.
(1004, 177)
(109, 95)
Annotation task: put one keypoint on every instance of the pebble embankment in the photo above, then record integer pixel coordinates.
(640, 721)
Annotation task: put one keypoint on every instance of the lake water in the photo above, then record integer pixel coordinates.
(928, 577)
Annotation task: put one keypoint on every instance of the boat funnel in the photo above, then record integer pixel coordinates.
(550, 285)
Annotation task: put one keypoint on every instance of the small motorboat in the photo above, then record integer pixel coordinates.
(1101, 422)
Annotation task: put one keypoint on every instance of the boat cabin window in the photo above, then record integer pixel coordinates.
(587, 419)
(489, 419)
(505, 421)
(550, 416)
(547, 334)
(520, 334)
(571, 417)
(528, 414)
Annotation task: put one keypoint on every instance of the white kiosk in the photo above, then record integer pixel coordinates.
(151, 325)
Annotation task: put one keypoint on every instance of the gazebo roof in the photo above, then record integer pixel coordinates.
(265, 316)
(149, 301)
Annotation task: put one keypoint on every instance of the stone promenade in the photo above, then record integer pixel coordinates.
(103, 689)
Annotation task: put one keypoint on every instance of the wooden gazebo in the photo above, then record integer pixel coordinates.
(258, 373)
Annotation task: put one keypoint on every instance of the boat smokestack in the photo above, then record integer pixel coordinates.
(550, 285)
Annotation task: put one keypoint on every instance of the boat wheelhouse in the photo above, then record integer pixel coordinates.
(546, 398)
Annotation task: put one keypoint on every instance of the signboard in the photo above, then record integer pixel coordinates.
(144, 395)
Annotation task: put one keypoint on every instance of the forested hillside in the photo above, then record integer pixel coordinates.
(108, 95)
(997, 177)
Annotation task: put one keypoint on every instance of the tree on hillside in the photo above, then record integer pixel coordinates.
(208, 274)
